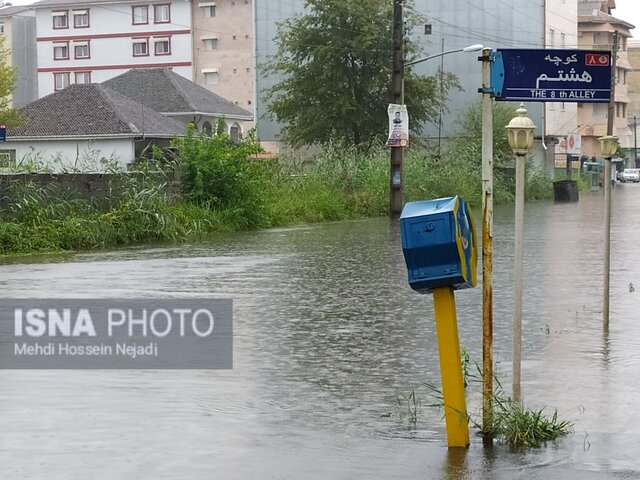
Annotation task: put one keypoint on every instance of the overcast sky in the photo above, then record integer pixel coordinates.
(628, 10)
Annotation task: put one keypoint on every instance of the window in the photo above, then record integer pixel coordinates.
(1, 27)
(562, 40)
(552, 35)
(81, 18)
(210, 44)
(209, 9)
(211, 77)
(140, 15)
(7, 159)
(61, 51)
(61, 80)
(162, 46)
(60, 20)
(234, 132)
(83, 77)
(140, 47)
(161, 13)
(81, 50)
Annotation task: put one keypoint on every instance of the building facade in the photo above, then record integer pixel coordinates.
(223, 49)
(83, 42)
(561, 31)
(597, 27)
(18, 27)
(633, 87)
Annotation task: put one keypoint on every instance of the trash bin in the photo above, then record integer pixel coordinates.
(565, 191)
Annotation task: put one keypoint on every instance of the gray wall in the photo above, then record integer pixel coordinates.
(494, 23)
(23, 53)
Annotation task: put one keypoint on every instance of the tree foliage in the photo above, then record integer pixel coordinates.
(471, 123)
(8, 116)
(334, 65)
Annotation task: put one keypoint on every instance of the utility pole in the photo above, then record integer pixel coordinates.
(607, 186)
(441, 100)
(397, 91)
(487, 243)
(635, 143)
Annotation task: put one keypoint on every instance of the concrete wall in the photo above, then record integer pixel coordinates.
(24, 57)
(110, 37)
(233, 57)
(82, 185)
(71, 155)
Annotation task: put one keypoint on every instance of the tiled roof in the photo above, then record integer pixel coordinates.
(598, 16)
(11, 10)
(165, 91)
(92, 110)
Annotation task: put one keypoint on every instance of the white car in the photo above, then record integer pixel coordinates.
(630, 175)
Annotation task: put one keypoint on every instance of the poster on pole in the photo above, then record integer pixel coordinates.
(398, 126)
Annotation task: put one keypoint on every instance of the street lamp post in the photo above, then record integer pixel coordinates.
(609, 145)
(520, 134)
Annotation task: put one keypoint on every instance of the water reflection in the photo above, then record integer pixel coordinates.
(327, 335)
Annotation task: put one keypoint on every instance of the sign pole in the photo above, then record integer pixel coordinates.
(607, 189)
(487, 245)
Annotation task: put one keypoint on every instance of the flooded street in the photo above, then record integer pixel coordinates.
(327, 334)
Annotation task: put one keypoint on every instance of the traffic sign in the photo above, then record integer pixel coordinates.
(3, 133)
(579, 76)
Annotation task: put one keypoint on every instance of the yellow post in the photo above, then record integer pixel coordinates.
(455, 406)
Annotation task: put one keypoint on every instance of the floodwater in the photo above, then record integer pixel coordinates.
(327, 334)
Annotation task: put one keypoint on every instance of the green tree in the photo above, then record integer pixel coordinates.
(334, 63)
(8, 116)
(471, 123)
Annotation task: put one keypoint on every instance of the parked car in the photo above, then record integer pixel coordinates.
(630, 175)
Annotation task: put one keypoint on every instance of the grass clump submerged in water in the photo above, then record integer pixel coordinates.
(511, 424)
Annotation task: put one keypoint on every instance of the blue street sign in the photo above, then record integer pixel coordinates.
(3, 133)
(580, 76)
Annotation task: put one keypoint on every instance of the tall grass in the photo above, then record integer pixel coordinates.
(225, 189)
(45, 219)
(511, 423)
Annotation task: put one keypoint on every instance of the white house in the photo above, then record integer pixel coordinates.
(88, 128)
(82, 41)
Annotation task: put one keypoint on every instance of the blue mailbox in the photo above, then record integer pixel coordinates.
(439, 244)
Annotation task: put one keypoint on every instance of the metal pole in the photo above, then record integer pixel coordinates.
(487, 244)
(517, 278)
(441, 100)
(455, 406)
(607, 188)
(397, 88)
(635, 143)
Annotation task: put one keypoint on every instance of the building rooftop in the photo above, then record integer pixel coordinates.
(165, 91)
(595, 15)
(74, 3)
(92, 110)
(11, 10)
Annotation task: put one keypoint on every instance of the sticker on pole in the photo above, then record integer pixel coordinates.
(398, 126)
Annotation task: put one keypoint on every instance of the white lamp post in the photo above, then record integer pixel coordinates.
(520, 133)
(609, 145)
